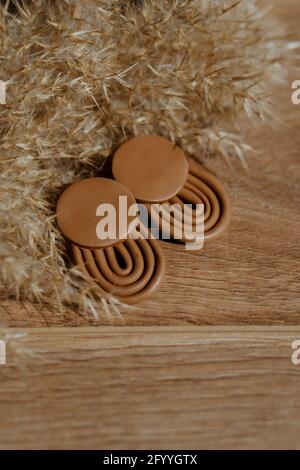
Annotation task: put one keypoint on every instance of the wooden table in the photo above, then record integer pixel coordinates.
(156, 379)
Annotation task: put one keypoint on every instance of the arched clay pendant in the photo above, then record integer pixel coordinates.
(155, 170)
(130, 269)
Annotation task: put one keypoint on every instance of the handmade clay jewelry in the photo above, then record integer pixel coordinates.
(156, 170)
(151, 167)
(77, 208)
(132, 270)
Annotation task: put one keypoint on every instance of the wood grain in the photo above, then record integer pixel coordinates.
(151, 388)
(144, 385)
(249, 276)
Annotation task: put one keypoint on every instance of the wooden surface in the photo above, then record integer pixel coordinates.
(251, 274)
(150, 388)
(145, 385)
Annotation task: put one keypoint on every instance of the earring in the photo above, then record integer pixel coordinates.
(156, 170)
(130, 269)
(151, 170)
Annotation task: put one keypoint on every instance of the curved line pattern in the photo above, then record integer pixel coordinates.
(201, 187)
(131, 271)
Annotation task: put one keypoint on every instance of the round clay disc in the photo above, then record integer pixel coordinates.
(77, 206)
(153, 168)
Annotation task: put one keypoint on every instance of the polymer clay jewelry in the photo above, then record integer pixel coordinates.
(151, 170)
(156, 170)
(130, 269)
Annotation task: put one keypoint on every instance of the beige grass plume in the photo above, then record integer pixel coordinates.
(81, 77)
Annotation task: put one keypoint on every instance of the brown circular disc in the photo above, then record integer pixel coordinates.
(76, 211)
(151, 167)
(203, 188)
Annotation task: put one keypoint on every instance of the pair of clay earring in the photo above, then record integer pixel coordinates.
(149, 170)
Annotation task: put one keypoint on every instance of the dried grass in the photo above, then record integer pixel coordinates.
(84, 76)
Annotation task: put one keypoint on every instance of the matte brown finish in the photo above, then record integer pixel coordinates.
(141, 276)
(143, 260)
(76, 210)
(204, 188)
(143, 164)
(201, 187)
(151, 167)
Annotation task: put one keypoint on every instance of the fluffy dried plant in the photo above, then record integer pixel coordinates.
(83, 76)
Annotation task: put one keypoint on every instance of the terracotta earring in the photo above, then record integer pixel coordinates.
(157, 171)
(151, 170)
(130, 269)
